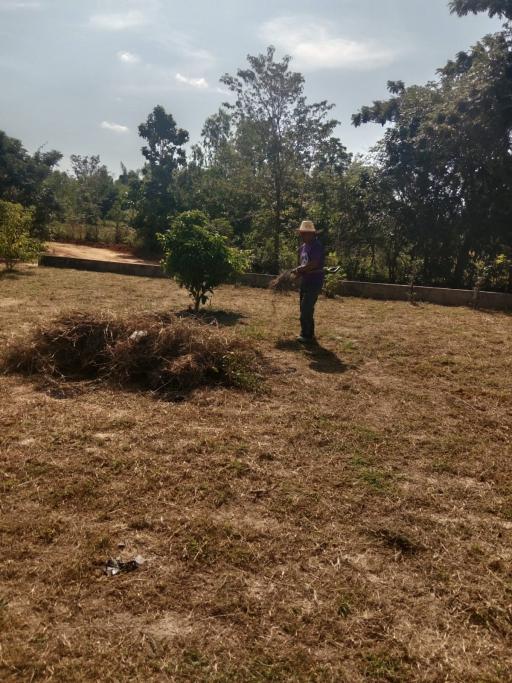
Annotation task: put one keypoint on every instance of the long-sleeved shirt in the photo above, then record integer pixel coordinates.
(313, 251)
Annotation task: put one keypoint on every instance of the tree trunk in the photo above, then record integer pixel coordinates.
(278, 211)
(392, 266)
(277, 244)
(372, 260)
(460, 265)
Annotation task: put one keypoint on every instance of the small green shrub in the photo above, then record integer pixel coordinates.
(333, 283)
(494, 274)
(16, 244)
(198, 256)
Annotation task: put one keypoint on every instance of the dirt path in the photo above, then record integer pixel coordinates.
(93, 253)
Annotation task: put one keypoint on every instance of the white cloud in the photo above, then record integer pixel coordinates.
(19, 4)
(182, 46)
(114, 127)
(186, 49)
(193, 82)
(118, 21)
(128, 57)
(157, 80)
(313, 45)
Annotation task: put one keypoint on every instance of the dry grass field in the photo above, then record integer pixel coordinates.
(351, 522)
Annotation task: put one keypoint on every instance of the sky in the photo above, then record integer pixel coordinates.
(80, 75)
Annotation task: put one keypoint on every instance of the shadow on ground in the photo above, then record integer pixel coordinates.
(320, 359)
(213, 316)
(15, 274)
(130, 256)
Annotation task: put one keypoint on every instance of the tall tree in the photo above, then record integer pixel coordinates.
(128, 188)
(219, 178)
(278, 133)
(23, 179)
(64, 188)
(165, 154)
(95, 191)
(216, 135)
(448, 156)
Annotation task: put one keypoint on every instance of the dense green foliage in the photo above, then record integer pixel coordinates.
(94, 194)
(431, 203)
(198, 256)
(164, 154)
(281, 138)
(447, 160)
(24, 180)
(500, 8)
(16, 244)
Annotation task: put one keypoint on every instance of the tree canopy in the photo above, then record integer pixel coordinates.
(279, 133)
(447, 155)
(164, 153)
(23, 180)
(499, 8)
(16, 244)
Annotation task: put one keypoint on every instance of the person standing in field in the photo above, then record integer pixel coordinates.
(311, 274)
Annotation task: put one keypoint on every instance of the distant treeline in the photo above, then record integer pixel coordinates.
(432, 202)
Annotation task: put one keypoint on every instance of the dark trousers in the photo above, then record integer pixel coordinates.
(308, 297)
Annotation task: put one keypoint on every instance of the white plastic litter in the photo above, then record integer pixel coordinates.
(116, 566)
(138, 335)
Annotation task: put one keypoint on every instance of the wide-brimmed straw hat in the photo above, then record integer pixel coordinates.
(308, 227)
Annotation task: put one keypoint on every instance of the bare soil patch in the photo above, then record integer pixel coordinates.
(83, 251)
(351, 524)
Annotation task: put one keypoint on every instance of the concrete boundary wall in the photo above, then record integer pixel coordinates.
(434, 295)
(369, 290)
(379, 290)
(138, 269)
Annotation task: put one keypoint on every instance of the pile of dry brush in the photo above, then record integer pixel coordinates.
(160, 353)
(285, 282)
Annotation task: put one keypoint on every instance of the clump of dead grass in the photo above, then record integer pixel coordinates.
(160, 353)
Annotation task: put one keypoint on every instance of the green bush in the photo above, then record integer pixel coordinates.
(16, 244)
(333, 283)
(198, 257)
(108, 233)
(494, 274)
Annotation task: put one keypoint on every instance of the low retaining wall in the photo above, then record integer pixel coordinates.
(434, 295)
(369, 290)
(380, 290)
(138, 269)
(255, 280)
